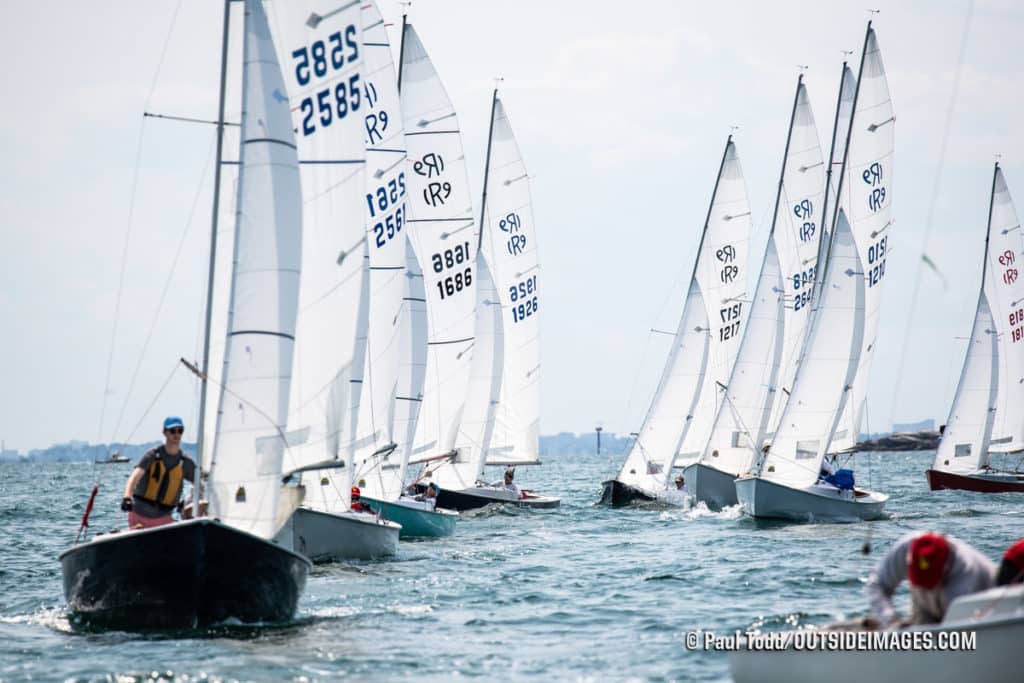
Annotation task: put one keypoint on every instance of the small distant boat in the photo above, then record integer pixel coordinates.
(985, 415)
(979, 639)
(114, 458)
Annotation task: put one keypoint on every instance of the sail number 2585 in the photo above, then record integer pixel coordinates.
(453, 258)
(321, 109)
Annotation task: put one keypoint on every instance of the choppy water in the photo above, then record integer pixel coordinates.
(578, 593)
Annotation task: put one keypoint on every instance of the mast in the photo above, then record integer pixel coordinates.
(785, 152)
(487, 169)
(825, 241)
(988, 226)
(200, 441)
(401, 53)
(846, 150)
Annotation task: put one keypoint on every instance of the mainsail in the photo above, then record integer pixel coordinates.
(245, 471)
(985, 416)
(865, 193)
(325, 88)
(681, 414)
(442, 232)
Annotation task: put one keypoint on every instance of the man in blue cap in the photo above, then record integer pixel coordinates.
(154, 488)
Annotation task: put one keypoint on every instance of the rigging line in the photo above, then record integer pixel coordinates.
(929, 222)
(151, 404)
(166, 289)
(131, 218)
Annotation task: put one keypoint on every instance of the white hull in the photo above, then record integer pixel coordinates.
(995, 657)
(328, 537)
(763, 498)
(717, 489)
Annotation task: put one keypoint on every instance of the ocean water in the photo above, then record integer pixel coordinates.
(581, 593)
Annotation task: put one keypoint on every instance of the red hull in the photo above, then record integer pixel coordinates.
(938, 480)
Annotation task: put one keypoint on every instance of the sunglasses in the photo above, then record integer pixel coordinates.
(176, 430)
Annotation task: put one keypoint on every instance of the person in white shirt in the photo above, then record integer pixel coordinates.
(939, 569)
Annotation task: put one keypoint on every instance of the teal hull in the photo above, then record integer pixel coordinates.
(415, 523)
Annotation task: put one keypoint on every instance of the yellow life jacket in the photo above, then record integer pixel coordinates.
(161, 484)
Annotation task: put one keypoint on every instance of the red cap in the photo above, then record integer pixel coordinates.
(355, 491)
(1015, 555)
(927, 564)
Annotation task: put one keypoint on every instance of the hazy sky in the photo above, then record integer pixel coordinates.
(621, 111)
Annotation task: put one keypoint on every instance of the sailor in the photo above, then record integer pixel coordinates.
(357, 504)
(680, 483)
(939, 569)
(154, 488)
(507, 482)
(430, 495)
(1011, 569)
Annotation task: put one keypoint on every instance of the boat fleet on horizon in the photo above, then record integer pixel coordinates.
(752, 419)
(361, 322)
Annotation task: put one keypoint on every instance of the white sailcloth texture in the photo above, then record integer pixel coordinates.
(986, 415)
(444, 237)
(828, 366)
(1004, 289)
(776, 329)
(246, 469)
(510, 247)
(965, 441)
(322, 52)
(705, 343)
(386, 225)
(866, 194)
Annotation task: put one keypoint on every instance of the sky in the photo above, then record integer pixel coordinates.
(621, 115)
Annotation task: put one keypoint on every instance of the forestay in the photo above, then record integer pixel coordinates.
(322, 50)
(443, 235)
(827, 368)
(706, 341)
(245, 472)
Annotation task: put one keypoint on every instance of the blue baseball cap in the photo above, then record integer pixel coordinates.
(173, 422)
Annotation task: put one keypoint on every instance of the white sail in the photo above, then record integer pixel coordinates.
(483, 394)
(985, 416)
(965, 441)
(797, 234)
(1004, 289)
(766, 362)
(510, 247)
(681, 414)
(386, 238)
(722, 275)
(323, 54)
(828, 366)
(245, 473)
(444, 237)
(866, 194)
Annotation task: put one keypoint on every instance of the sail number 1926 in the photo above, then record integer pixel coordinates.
(524, 299)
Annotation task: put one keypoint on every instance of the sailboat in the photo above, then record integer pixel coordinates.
(985, 416)
(679, 420)
(765, 364)
(500, 421)
(397, 344)
(785, 481)
(202, 571)
(327, 56)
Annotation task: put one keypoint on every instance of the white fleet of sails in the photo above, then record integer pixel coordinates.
(763, 414)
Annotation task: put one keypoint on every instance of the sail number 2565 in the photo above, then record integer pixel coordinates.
(453, 258)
